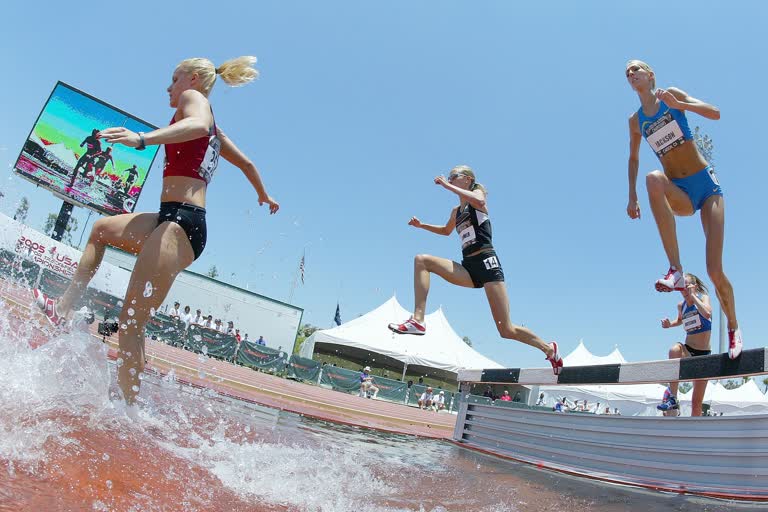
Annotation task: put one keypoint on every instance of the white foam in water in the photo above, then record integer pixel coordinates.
(69, 372)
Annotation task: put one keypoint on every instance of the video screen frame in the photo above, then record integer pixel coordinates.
(120, 189)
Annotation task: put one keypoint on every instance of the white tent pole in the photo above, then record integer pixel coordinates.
(405, 367)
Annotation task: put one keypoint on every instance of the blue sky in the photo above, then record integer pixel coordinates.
(360, 104)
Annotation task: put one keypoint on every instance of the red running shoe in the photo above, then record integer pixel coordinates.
(673, 281)
(555, 359)
(410, 326)
(734, 343)
(48, 305)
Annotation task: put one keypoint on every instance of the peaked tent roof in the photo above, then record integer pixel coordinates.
(439, 348)
(581, 356)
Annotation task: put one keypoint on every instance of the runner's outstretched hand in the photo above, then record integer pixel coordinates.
(273, 205)
(120, 135)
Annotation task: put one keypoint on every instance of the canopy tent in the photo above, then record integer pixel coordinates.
(439, 348)
(746, 399)
(631, 400)
(64, 155)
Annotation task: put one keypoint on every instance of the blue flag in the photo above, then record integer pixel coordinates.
(337, 318)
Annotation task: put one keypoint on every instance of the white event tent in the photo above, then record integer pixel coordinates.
(642, 399)
(630, 399)
(439, 348)
(746, 399)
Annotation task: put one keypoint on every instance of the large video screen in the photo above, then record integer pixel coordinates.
(63, 154)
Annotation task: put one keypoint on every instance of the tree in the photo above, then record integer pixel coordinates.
(705, 145)
(731, 384)
(50, 224)
(213, 272)
(22, 210)
(685, 387)
(466, 340)
(765, 382)
(307, 330)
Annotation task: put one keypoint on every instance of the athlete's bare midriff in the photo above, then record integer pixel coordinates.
(180, 189)
(683, 161)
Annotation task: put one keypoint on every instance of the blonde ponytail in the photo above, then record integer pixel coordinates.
(239, 71)
(234, 72)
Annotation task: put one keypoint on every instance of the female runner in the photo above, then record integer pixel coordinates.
(169, 241)
(686, 185)
(480, 267)
(695, 315)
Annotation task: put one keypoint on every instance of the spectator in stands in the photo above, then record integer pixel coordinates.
(421, 380)
(488, 393)
(410, 383)
(505, 396)
(208, 324)
(559, 405)
(237, 336)
(438, 403)
(186, 317)
(366, 383)
(616, 411)
(230, 328)
(245, 339)
(586, 406)
(540, 401)
(517, 397)
(597, 409)
(607, 411)
(174, 312)
(580, 406)
(199, 318)
(218, 325)
(426, 398)
(261, 341)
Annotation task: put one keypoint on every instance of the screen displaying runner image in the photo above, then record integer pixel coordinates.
(63, 154)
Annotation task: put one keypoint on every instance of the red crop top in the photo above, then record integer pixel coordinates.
(195, 158)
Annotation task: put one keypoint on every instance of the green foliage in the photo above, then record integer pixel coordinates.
(466, 340)
(22, 210)
(685, 387)
(213, 272)
(71, 228)
(705, 145)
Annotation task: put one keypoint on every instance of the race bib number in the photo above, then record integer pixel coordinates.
(210, 160)
(666, 136)
(691, 321)
(491, 263)
(467, 234)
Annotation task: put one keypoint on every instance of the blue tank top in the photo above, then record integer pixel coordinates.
(666, 130)
(693, 321)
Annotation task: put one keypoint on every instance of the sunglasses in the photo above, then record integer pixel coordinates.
(452, 177)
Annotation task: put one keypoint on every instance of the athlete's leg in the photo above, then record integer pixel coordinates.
(697, 398)
(423, 266)
(163, 256)
(677, 351)
(713, 221)
(127, 232)
(667, 200)
(499, 302)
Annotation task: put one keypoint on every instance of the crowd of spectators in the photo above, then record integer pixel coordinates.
(563, 405)
(186, 317)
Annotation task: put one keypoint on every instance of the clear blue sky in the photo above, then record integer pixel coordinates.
(361, 104)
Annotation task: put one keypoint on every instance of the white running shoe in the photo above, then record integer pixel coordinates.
(734, 343)
(410, 326)
(673, 281)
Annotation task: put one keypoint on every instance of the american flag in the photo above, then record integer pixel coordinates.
(301, 268)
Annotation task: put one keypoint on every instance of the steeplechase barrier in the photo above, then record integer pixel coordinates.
(722, 457)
